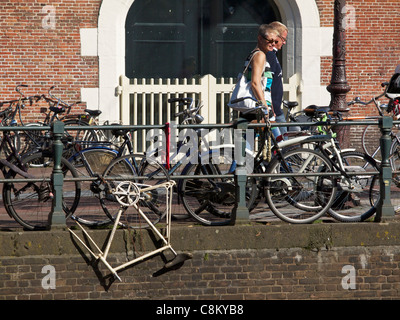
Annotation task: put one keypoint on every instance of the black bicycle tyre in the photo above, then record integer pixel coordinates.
(91, 162)
(395, 154)
(345, 205)
(370, 142)
(210, 200)
(195, 195)
(77, 139)
(288, 197)
(133, 168)
(30, 203)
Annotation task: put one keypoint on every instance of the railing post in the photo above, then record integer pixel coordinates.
(385, 208)
(57, 215)
(240, 213)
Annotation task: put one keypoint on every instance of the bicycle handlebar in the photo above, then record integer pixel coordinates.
(186, 102)
(59, 102)
(183, 101)
(259, 105)
(358, 100)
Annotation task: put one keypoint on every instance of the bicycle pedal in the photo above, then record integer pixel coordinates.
(44, 193)
(181, 257)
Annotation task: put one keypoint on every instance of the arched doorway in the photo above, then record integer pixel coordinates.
(301, 57)
(180, 39)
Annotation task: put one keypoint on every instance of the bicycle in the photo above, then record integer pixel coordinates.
(392, 92)
(297, 116)
(91, 163)
(371, 144)
(8, 118)
(292, 198)
(352, 201)
(358, 170)
(90, 117)
(29, 199)
(58, 111)
(216, 204)
(132, 194)
(371, 133)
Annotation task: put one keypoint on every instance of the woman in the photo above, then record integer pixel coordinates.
(259, 72)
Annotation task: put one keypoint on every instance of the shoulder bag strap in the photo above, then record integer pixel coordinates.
(251, 58)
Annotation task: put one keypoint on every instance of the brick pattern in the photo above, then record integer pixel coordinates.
(42, 57)
(325, 8)
(371, 47)
(234, 274)
(36, 54)
(371, 52)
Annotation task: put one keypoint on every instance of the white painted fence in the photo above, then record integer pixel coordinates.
(144, 101)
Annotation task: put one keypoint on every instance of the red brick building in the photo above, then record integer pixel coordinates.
(82, 46)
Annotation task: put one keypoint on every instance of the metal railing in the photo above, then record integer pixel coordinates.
(240, 212)
(145, 100)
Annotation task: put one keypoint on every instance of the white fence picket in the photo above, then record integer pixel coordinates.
(144, 101)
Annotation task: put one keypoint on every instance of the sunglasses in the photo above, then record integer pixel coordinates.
(270, 40)
(283, 38)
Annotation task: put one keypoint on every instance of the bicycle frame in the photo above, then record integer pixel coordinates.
(103, 146)
(165, 239)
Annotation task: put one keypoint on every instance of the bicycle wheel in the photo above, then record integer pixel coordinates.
(210, 201)
(395, 156)
(91, 163)
(300, 199)
(352, 201)
(395, 186)
(30, 203)
(395, 164)
(374, 193)
(77, 139)
(153, 203)
(31, 140)
(87, 135)
(370, 142)
(15, 140)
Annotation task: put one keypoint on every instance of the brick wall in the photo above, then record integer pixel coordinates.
(40, 51)
(213, 275)
(34, 53)
(259, 262)
(372, 52)
(372, 47)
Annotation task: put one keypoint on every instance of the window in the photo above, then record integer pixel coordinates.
(185, 38)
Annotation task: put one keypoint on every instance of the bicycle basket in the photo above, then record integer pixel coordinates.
(393, 90)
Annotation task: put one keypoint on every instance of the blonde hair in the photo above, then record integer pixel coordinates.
(279, 27)
(266, 29)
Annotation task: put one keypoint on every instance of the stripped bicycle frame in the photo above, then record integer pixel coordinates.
(128, 194)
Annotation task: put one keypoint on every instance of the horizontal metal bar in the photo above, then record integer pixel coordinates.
(208, 176)
(194, 126)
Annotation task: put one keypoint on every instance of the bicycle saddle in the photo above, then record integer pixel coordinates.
(93, 113)
(313, 110)
(57, 110)
(290, 104)
(119, 132)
